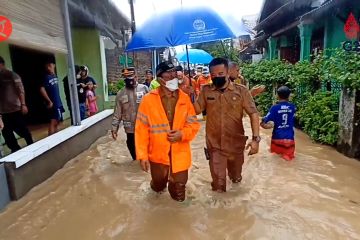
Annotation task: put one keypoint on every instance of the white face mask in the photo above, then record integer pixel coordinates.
(78, 76)
(172, 85)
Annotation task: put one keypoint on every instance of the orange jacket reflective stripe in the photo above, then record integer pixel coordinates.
(152, 126)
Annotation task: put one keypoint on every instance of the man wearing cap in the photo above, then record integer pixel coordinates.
(198, 73)
(148, 77)
(225, 103)
(184, 82)
(165, 125)
(127, 103)
(203, 80)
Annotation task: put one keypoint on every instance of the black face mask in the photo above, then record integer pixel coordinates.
(219, 81)
(129, 83)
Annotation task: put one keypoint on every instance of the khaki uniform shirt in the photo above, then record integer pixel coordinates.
(224, 126)
(127, 104)
(241, 80)
(10, 89)
(169, 104)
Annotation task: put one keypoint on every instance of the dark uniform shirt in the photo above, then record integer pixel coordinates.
(224, 126)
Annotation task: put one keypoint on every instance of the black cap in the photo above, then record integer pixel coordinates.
(179, 68)
(149, 71)
(163, 67)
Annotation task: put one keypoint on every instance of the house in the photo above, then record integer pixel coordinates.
(295, 29)
(39, 33)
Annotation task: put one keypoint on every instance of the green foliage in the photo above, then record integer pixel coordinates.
(264, 102)
(305, 74)
(304, 81)
(269, 73)
(319, 117)
(317, 111)
(342, 66)
(114, 88)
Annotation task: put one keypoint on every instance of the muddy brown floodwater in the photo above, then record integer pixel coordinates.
(102, 195)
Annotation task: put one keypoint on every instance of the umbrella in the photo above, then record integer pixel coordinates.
(183, 26)
(195, 56)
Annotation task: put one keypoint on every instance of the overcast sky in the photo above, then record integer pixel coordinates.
(233, 8)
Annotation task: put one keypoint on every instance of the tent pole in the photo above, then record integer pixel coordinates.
(188, 65)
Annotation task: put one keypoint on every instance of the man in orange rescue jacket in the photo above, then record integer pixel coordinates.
(165, 125)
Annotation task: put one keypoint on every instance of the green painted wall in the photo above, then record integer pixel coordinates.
(334, 33)
(86, 46)
(334, 30)
(5, 53)
(284, 41)
(61, 68)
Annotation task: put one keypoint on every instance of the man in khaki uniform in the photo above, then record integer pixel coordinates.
(225, 102)
(127, 103)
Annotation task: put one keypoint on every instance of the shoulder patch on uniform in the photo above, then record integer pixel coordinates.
(240, 86)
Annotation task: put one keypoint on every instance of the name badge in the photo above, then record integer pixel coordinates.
(127, 124)
(139, 96)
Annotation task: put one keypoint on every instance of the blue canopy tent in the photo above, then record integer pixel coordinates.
(195, 56)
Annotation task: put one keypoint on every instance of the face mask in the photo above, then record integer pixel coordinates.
(181, 81)
(232, 78)
(206, 75)
(78, 76)
(219, 81)
(172, 85)
(130, 82)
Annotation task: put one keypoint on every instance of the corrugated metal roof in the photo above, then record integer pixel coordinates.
(322, 10)
(103, 15)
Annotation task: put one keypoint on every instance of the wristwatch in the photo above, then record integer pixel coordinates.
(256, 139)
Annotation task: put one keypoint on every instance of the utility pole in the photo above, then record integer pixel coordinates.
(133, 25)
(71, 63)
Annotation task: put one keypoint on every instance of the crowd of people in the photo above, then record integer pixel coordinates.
(160, 120)
(13, 107)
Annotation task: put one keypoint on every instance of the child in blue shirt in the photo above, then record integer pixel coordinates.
(282, 115)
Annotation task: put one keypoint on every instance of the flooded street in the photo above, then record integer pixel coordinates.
(101, 194)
